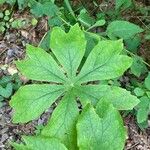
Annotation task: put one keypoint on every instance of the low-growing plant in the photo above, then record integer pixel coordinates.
(143, 108)
(99, 126)
(4, 20)
(8, 84)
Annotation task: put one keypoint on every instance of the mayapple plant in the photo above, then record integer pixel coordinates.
(99, 126)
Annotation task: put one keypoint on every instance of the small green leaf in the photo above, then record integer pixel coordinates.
(7, 91)
(122, 29)
(99, 23)
(142, 115)
(2, 1)
(32, 100)
(96, 131)
(1, 15)
(148, 94)
(7, 12)
(34, 22)
(133, 44)
(22, 3)
(147, 37)
(2, 29)
(138, 67)
(147, 81)
(143, 109)
(138, 91)
(47, 8)
(6, 18)
(55, 21)
(85, 18)
(122, 3)
(39, 143)
(1, 98)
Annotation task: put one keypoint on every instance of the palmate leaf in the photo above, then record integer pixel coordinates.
(39, 143)
(100, 129)
(103, 62)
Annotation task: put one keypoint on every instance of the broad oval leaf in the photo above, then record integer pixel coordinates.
(39, 143)
(122, 29)
(98, 131)
(30, 101)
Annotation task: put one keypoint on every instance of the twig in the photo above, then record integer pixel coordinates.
(133, 146)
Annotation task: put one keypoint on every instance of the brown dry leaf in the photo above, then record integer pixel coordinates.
(12, 70)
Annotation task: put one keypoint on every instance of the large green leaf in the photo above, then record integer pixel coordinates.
(68, 48)
(100, 130)
(120, 98)
(63, 121)
(104, 62)
(39, 143)
(32, 100)
(122, 29)
(40, 66)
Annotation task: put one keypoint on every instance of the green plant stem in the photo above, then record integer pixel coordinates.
(70, 8)
(42, 39)
(91, 27)
(136, 55)
(65, 21)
